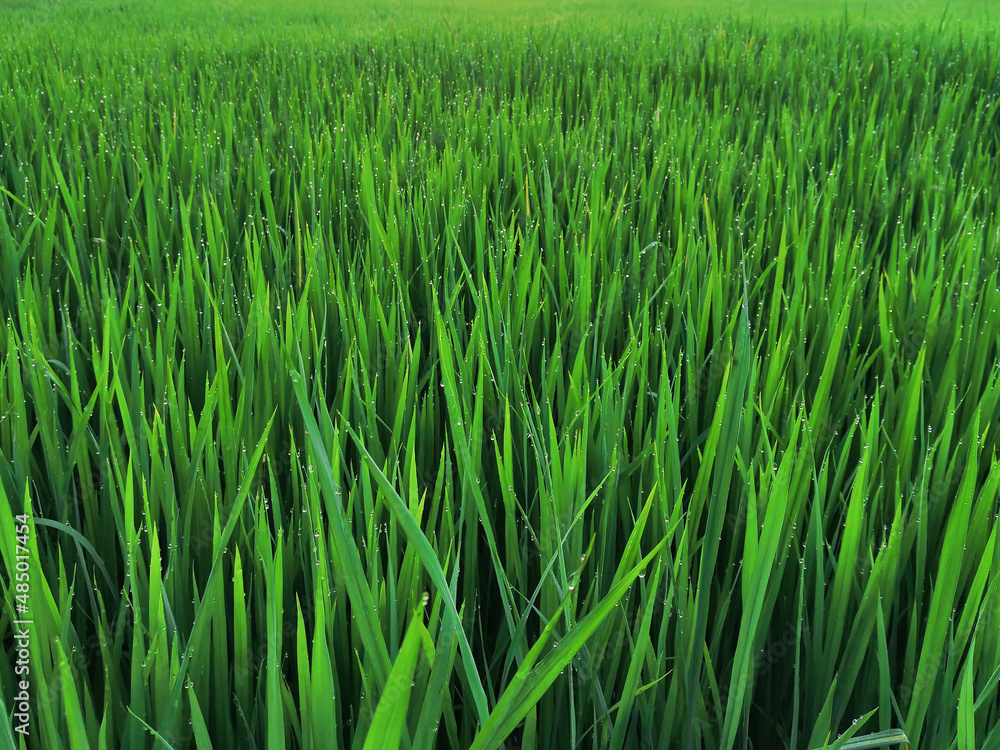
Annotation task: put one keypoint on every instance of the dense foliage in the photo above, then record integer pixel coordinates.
(613, 384)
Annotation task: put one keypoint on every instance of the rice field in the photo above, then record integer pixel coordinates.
(425, 376)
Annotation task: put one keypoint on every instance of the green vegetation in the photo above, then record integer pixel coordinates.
(621, 382)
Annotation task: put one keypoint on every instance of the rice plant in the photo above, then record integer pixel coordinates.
(622, 382)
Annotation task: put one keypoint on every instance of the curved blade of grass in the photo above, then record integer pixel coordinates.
(529, 683)
(79, 539)
(430, 560)
(354, 575)
(387, 727)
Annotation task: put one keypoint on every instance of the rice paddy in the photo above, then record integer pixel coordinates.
(435, 377)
